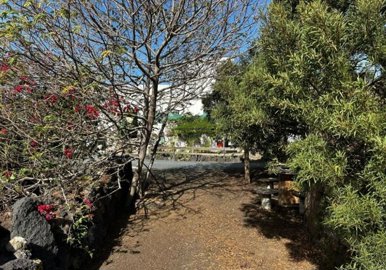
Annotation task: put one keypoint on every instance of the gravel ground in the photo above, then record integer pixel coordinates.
(206, 217)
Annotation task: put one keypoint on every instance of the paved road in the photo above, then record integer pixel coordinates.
(171, 164)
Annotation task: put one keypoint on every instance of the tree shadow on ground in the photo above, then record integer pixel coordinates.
(171, 191)
(167, 194)
(285, 223)
(168, 187)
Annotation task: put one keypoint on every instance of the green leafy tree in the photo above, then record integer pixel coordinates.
(233, 108)
(190, 128)
(322, 66)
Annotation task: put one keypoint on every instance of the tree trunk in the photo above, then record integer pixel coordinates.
(136, 184)
(313, 209)
(154, 151)
(247, 172)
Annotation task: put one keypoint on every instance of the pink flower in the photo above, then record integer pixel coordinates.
(88, 202)
(136, 109)
(24, 78)
(46, 210)
(7, 174)
(3, 131)
(112, 105)
(27, 80)
(91, 112)
(114, 102)
(33, 144)
(4, 68)
(127, 108)
(51, 99)
(18, 88)
(77, 108)
(68, 152)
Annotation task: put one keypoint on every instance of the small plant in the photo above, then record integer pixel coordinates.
(78, 234)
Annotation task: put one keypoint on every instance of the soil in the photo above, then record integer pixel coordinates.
(197, 218)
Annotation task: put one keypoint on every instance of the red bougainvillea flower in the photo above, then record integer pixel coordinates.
(127, 108)
(136, 109)
(91, 112)
(51, 99)
(49, 217)
(87, 202)
(68, 152)
(23, 87)
(77, 108)
(24, 78)
(4, 68)
(112, 105)
(7, 174)
(3, 133)
(18, 88)
(27, 80)
(46, 210)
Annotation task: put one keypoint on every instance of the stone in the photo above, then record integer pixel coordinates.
(20, 264)
(23, 254)
(266, 203)
(16, 243)
(29, 224)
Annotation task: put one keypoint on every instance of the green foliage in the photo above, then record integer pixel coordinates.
(369, 253)
(317, 161)
(235, 109)
(191, 128)
(324, 70)
(78, 235)
(353, 214)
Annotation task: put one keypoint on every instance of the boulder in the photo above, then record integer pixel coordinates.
(21, 264)
(29, 224)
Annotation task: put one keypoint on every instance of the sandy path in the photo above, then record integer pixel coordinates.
(208, 219)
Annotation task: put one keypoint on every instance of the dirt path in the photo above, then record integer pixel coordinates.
(202, 219)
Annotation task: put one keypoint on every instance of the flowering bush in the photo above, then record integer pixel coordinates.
(59, 132)
(56, 141)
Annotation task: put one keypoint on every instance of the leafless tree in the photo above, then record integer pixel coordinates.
(130, 48)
